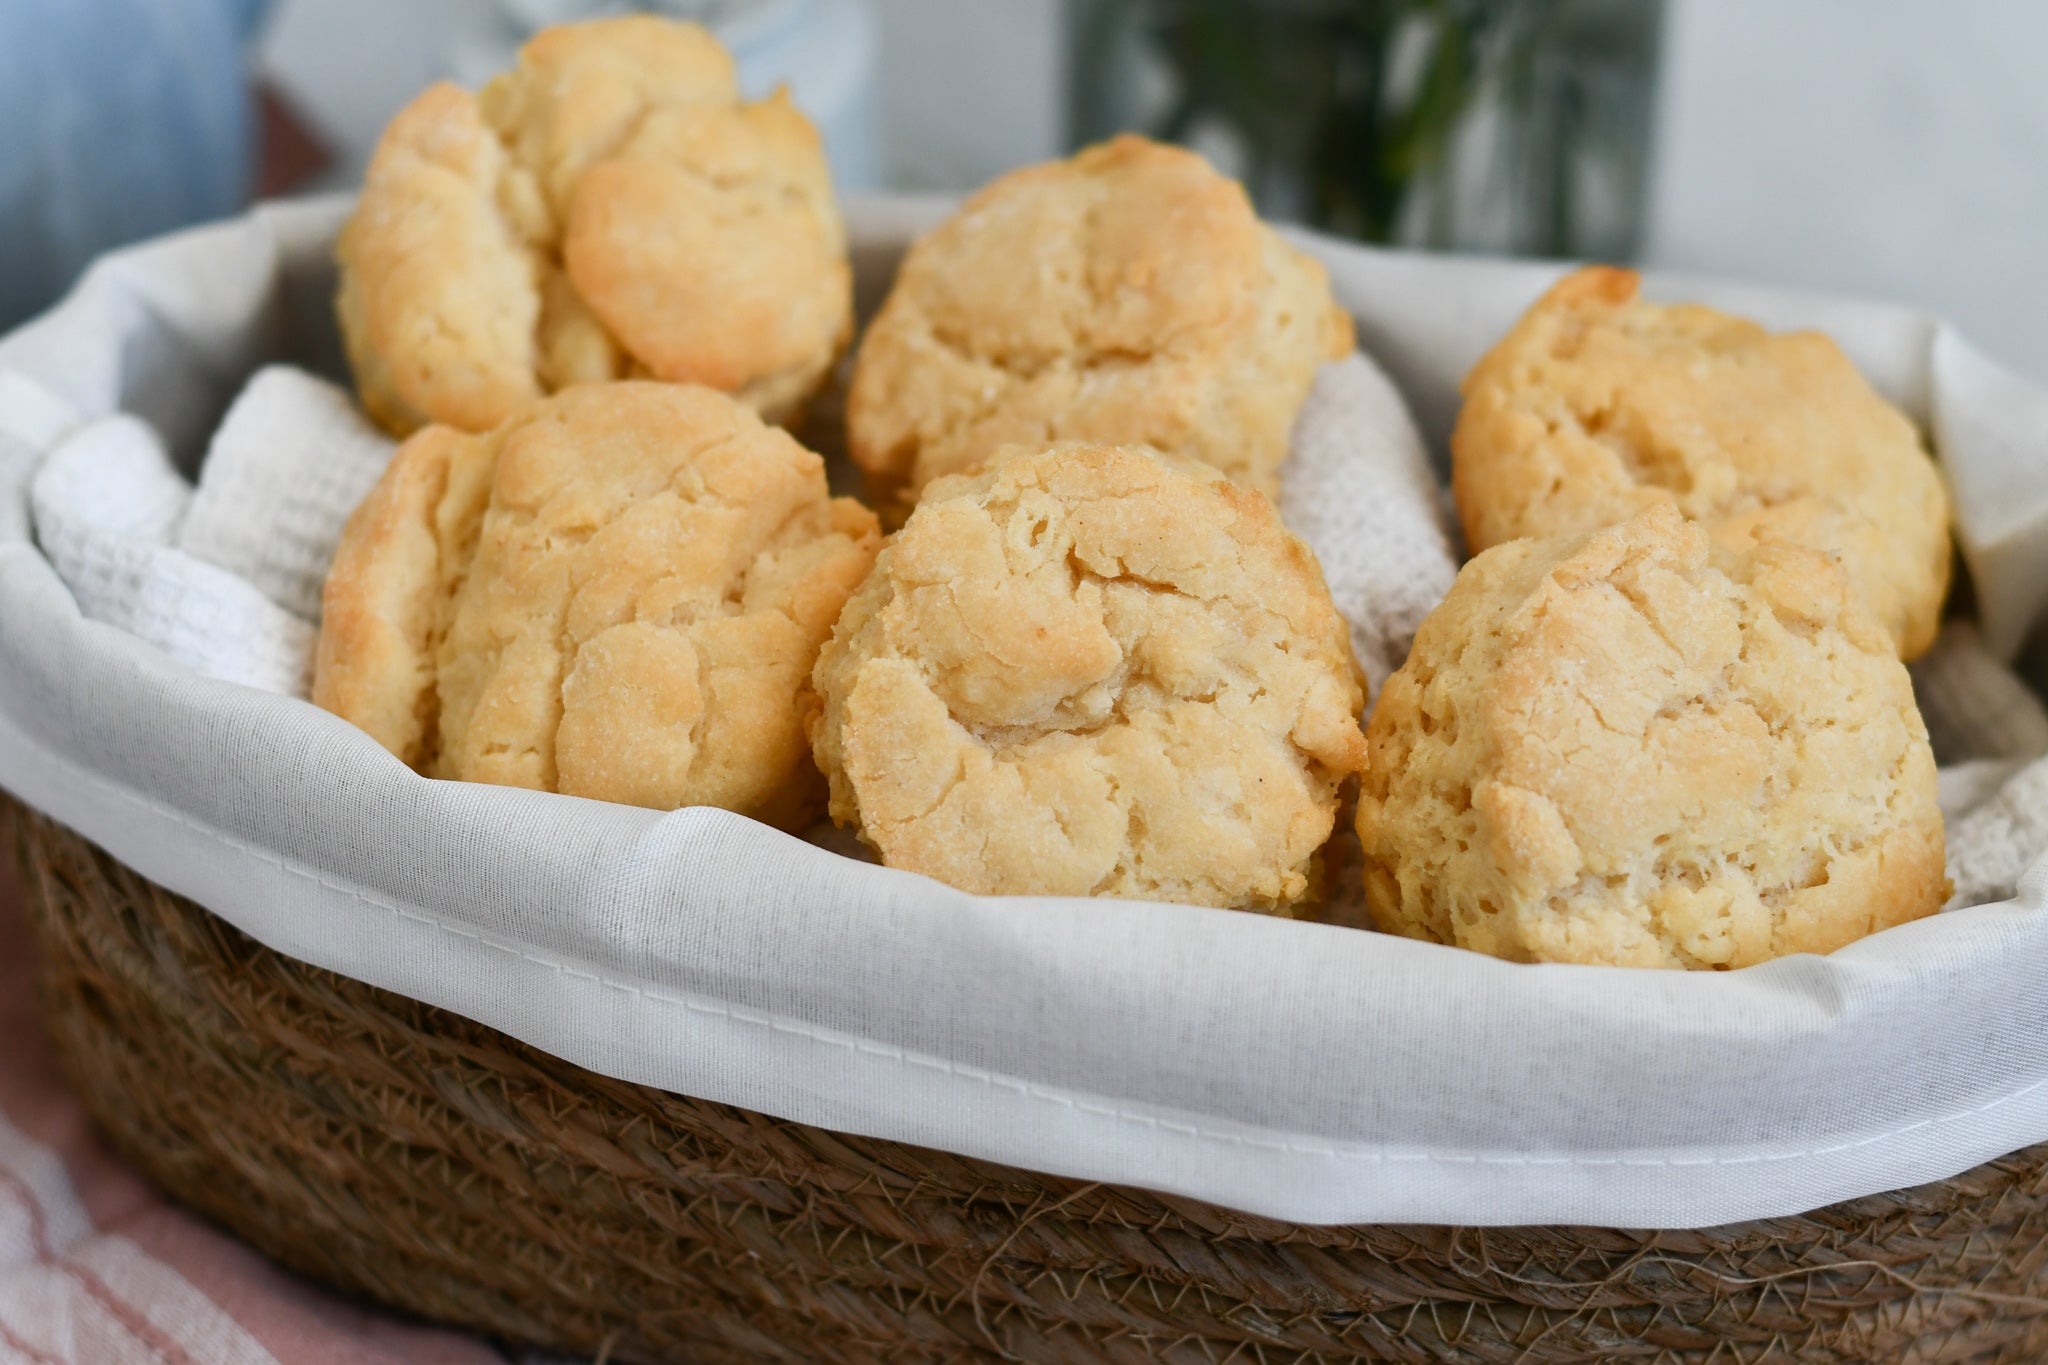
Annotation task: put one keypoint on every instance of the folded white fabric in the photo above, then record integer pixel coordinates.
(1358, 488)
(1990, 735)
(226, 580)
(1300, 1071)
(291, 460)
(1976, 707)
(31, 421)
(108, 507)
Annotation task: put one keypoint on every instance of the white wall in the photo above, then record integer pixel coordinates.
(970, 88)
(349, 65)
(1888, 148)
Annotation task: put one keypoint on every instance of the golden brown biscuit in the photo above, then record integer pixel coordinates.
(1093, 670)
(609, 208)
(1597, 404)
(618, 594)
(1127, 296)
(1632, 748)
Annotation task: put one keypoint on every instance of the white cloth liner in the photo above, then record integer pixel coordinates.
(1295, 1070)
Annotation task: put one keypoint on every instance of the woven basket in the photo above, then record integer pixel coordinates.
(433, 1164)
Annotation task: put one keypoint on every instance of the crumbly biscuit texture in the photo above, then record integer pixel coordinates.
(609, 208)
(619, 594)
(1635, 748)
(1129, 296)
(1092, 670)
(1598, 404)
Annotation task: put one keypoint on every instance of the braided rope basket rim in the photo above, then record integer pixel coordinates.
(435, 1165)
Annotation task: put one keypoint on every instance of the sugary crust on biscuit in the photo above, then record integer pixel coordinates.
(1597, 404)
(1093, 670)
(619, 595)
(1636, 749)
(608, 209)
(580, 90)
(438, 299)
(711, 248)
(388, 598)
(1129, 295)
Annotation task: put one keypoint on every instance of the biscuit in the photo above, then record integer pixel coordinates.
(1634, 747)
(618, 594)
(1126, 296)
(1093, 670)
(607, 209)
(1597, 404)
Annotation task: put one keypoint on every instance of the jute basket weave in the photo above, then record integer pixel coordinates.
(428, 1162)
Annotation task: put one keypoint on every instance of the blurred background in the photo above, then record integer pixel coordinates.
(1889, 148)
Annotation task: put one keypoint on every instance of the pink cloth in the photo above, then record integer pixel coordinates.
(97, 1268)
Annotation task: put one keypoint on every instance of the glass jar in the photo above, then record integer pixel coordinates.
(1516, 126)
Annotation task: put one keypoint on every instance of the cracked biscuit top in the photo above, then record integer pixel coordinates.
(1126, 296)
(1093, 670)
(1597, 404)
(1632, 748)
(618, 594)
(607, 209)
